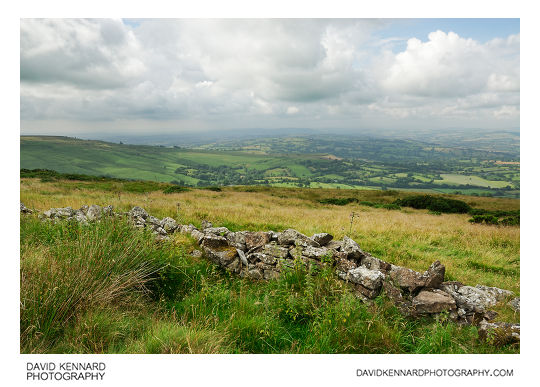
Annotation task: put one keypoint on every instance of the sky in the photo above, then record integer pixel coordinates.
(145, 76)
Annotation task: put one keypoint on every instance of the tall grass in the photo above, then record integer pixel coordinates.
(67, 269)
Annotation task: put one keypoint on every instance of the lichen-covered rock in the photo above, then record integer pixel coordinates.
(237, 239)
(196, 253)
(352, 249)
(223, 255)
(206, 224)
(275, 250)
(243, 257)
(373, 263)
(514, 304)
(108, 210)
(322, 238)
(25, 210)
(293, 237)
(370, 279)
(499, 333)
(197, 235)
(80, 217)
(468, 298)
(433, 301)
(255, 240)
(261, 257)
(344, 265)
(434, 276)
(138, 212)
(214, 241)
(318, 253)
(406, 279)
(498, 294)
(168, 224)
(334, 245)
(84, 209)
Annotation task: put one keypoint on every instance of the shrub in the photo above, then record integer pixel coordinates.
(175, 189)
(487, 219)
(435, 203)
(338, 201)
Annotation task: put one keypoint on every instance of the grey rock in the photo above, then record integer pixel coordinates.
(187, 228)
(138, 212)
(223, 231)
(373, 263)
(334, 245)
(270, 274)
(275, 250)
(255, 274)
(471, 300)
(80, 217)
(242, 256)
(293, 237)
(168, 224)
(499, 333)
(197, 235)
(84, 208)
(237, 240)
(221, 255)
(407, 279)
(255, 240)
(318, 253)
(344, 265)
(352, 249)
(322, 238)
(214, 241)
(370, 279)
(196, 253)
(64, 213)
(261, 257)
(273, 235)
(94, 212)
(108, 210)
(514, 304)
(433, 301)
(152, 220)
(25, 210)
(434, 276)
(205, 224)
(498, 294)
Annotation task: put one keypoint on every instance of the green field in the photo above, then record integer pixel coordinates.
(362, 164)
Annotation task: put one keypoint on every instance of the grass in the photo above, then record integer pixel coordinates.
(191, 306)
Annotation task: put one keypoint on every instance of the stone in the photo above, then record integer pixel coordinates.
(65, 213)
(344, 265)
(205, 224)
(84, 208)
(196, 253)
(138, 212)
(406, 279)
(273, 235)
(152, 220)
(261, 257)
(168, 224)
(255, 273)
(498, 294)
(322, 238)
(334, 245)
(514, 304)
(25, 210)
(237, 240)
(242, 256)
(94, 212)
(161, 237)
(370, 279)
(293, 237)
(433, 301)
(434, 276)
(499, 333)
(270, 274)
(223, 231)
(275, 250)
(365, 292)
(468, 298)
(108, 210)
(255, 240)
(490, 315)
(80, 217)
(318, 253)
(197, 235)
(187, 228)
(214, 241)
(373, 263)
(352, 249)
(223, 256)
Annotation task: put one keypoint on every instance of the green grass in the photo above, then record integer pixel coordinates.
(108, 288)
(471, 180)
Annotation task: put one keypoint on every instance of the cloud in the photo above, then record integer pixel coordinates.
(248, 73)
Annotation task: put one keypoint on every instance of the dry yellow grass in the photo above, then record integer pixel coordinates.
(472, 253)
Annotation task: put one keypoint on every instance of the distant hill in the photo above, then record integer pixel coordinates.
(304, 161)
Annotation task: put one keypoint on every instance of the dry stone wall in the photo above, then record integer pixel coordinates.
(263, 255)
